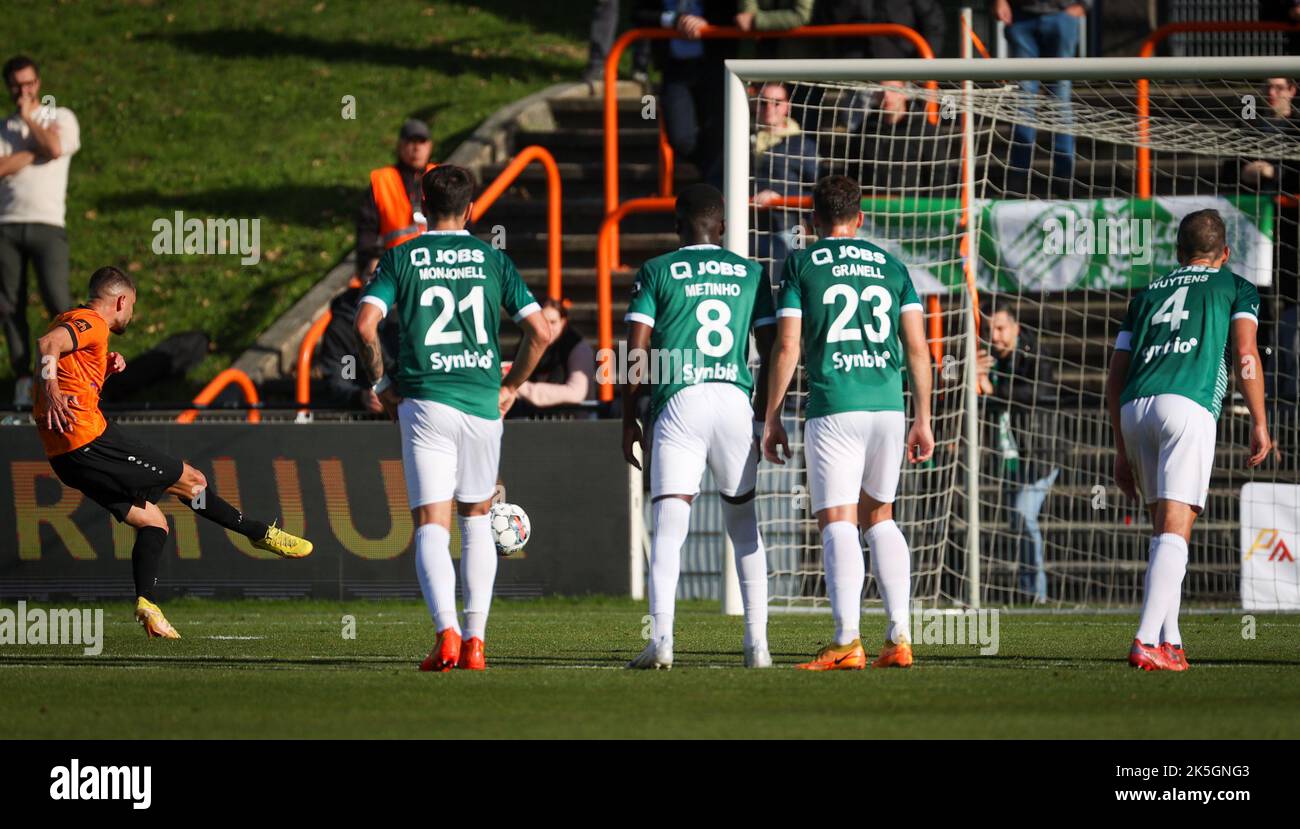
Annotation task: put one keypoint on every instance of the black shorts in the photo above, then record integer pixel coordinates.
(117, 472)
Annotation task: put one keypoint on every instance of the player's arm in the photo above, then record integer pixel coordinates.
(1115, 379)
(920, 438)
(1251, 378)
(537, 338)
(784, 362)
(369, 315)
(59, 415)
(638, 351)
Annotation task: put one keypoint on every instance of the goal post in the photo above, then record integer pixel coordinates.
(975, 207)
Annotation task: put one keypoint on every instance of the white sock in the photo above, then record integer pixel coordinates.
(437, 575)
(1169, 631)
(672, 520)
(751, 566)
(891, 563)
(1166, 565)
(478, 571)
(845, 573)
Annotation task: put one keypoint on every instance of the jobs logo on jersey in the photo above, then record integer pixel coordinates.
(709, 267)
(824, 256)
(447, 256)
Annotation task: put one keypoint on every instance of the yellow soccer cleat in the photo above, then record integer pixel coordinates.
(850, 657)
(283, 544)
(894, 655)
(155, 623)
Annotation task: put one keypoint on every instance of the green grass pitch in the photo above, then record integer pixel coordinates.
(283, 669)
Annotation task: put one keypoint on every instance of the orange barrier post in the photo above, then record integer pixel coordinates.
(305, 353)
(934, 320)
(488, 197)
(217, 386)
(723, 33)
(1144, 87)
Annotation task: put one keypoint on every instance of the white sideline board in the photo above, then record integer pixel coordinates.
(1270, 530)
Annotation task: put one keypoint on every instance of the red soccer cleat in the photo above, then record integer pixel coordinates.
(445, 654)
(471, 656)
(1174, 656)
(1148, 657)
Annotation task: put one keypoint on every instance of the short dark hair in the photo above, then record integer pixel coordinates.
(19, 62)
(109, 281)
(1201, 233)
(448, 190)
(837, 199)
(700, 206)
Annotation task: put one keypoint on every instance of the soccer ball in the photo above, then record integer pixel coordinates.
(510, 528)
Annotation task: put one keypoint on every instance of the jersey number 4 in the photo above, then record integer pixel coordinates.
(438, 333)
(840, 329)
(1171, 312)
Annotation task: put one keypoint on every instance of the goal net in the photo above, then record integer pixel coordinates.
(1030, 200)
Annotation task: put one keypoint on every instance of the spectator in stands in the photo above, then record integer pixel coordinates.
(1042, 29)
(566, 375)
(1281, 116)
(925, 17)
(336, 363)
(390, 213)
(776, 16)
(784, 165)
(1013, 379)
(604, 29)
(36, 147)
(690, 100)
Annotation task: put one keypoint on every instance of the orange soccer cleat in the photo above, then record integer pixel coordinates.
(894, 655)
(471, 656)
(1175, 659)
(1148, 657)
(850, 657)
(445, 654)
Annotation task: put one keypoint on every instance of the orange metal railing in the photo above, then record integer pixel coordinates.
(217, 386)
(719, 33)
(1144, 87)
(489, 196)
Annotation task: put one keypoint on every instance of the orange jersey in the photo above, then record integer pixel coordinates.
(81, 375)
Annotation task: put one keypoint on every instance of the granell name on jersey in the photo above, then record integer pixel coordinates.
(863, 359)
(466, 359)
(1177, 346)
(864, 265)
(726, 372)
(699, 289)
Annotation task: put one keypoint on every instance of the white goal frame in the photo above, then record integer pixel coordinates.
(736, 175)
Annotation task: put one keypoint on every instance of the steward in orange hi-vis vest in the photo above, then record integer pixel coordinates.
(399, 220)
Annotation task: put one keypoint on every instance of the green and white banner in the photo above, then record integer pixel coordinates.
(1030, 245)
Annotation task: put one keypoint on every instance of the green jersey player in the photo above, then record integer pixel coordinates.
(446, 289)
(1164, 393)
(853, 309)
(693, 310)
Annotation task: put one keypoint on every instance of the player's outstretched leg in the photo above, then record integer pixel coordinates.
(192, 491)
(845, 575)
(751, 565)
(478, 572)
(891, 563)
(671, 517)
(146, 559)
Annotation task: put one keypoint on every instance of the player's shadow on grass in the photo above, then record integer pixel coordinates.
(463, 56)
(307, 205)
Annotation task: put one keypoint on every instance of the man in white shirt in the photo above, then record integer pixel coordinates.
(37, 143)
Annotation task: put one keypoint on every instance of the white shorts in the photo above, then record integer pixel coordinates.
(1170, 442)
(853, 452)
(447, 453)
(708, 423)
